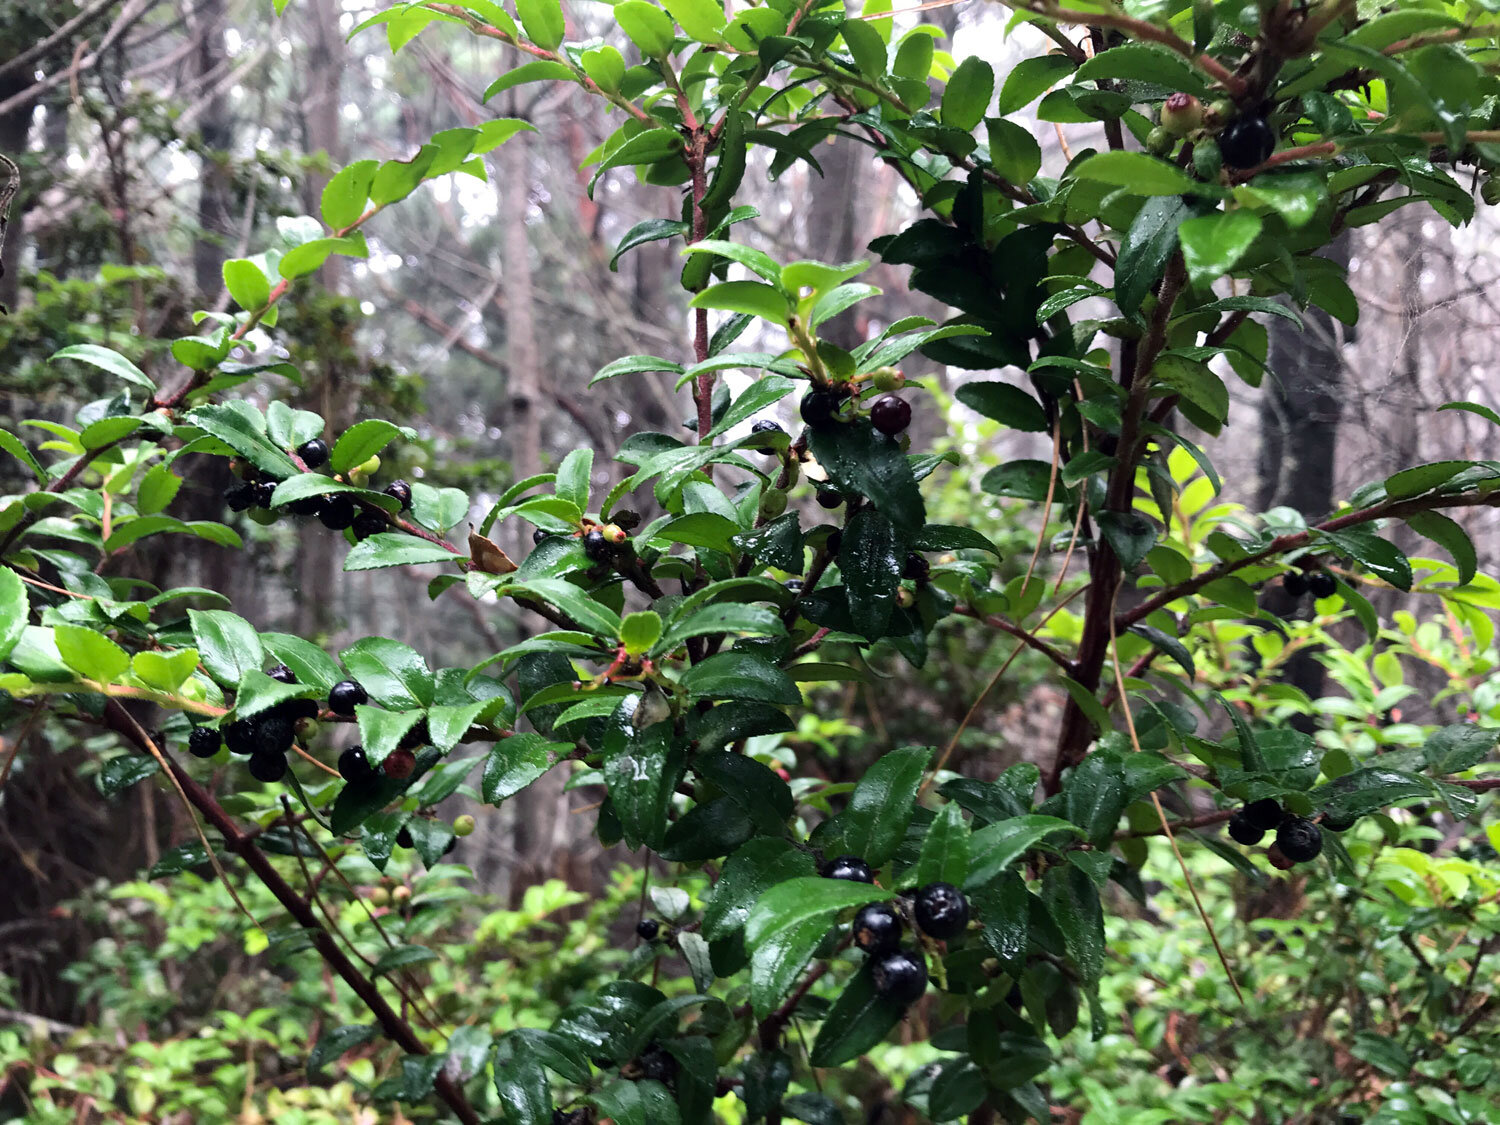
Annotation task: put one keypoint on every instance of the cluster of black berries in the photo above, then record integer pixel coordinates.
(940, 910)
(362, 777)
(890, 414)
(1319, 583)
(1298, 839)
(265, 738)
(335, 511)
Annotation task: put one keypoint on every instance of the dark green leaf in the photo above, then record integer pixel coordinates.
(739, 675)
(860, 460)
(787, 924)
(871, 560)
(1009, 405)
(334, 1042)
(859, 1019)
(873, 824)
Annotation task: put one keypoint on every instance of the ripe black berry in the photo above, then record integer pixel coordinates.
(818, 407)
(569, 1117)
(313, 453)
(241, 736)
(877, 928)
(658, 1064)
(355, 768)
(830, 497)
(403, 838)
(890, 414)
(647, 929)
(345, 696)
(794, 585)
(267, 767)
(942, 911)
(282, 674)
(1242, 831)
(240, 497)
(273, 734)
(307, 506)
(540, 534)
(263, 493)
(916, 568)
(1294, 582)
(1322, 584)
(368, 523)
(401, 491)
(766, 426)
(1247, 142)
(850, 868)
(338, 512)
(1264, 814)
(204, 742)
(596, 547)
(1299, 839)
(834, 541)
(899, 976)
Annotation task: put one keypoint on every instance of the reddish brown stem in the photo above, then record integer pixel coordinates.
(392, 1024)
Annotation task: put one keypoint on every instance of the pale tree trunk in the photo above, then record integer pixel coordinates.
(317, 567)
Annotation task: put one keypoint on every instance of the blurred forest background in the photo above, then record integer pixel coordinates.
(157, 138)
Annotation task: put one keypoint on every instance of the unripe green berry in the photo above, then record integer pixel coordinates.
(1489, 191)
(464, 825)
(772, 503)
(361, 473)
(1181, 114)
(1219, 113)
(1160, 142)
(887, 379)
(193, 690)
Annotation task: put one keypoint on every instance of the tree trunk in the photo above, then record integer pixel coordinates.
(1300, 413)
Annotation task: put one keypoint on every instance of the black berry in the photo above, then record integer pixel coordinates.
(338, 512)
(1264, 814)
(241, 737)
(818, 407)
(540, 534)
(355, 768)
(850, 868)
(916, 568)
(1247, 142)
(274, 734)
(367, 524)
(877, 928)
(647, 929)
(627, 519)
(263, 493)
(1279, 860)
(830, 497)
(793, 584)
(282, 674)
(596, 547)
(834, 541)
(204, 742)
(766, 426)
(403, 838)
(240, 497)
(890, 414)
(1299, 839)
(401, 491)
(1322, 584)
(345, 696)
(313, 453)
(1294, 582)
(658, 1064)
(267, 767)
(899, 976)
(307, 506)
(1242, 831)
(942, 911)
